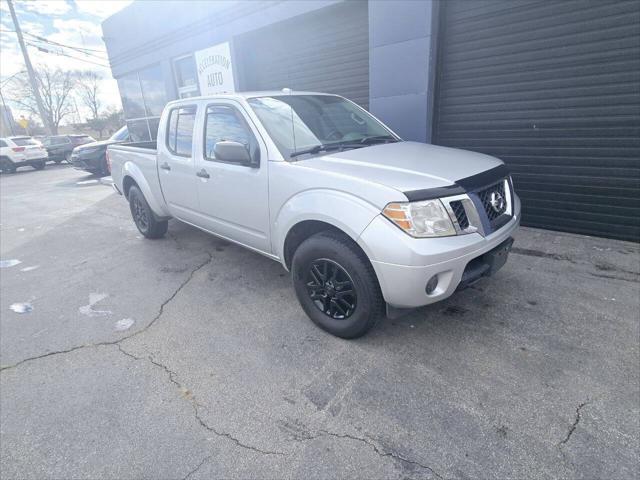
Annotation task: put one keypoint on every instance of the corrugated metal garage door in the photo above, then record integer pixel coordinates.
(552, 88)
(324, 51)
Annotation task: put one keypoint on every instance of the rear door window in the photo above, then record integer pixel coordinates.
(180, 131)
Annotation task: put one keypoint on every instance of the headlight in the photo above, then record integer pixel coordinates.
(428, 218)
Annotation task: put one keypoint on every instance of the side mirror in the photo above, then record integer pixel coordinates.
(232, 152)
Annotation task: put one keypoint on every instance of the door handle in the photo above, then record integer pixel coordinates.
(203, 174)
(165, 166)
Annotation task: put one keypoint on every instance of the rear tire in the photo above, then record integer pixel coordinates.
(39, 165)
(143, 216)
(7, 166)
(336, 285)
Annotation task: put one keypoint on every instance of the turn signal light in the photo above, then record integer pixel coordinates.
(397, 215)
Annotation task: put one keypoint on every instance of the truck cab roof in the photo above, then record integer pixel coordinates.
(246, 95)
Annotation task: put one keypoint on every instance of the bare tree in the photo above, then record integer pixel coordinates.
(89, 91)
(56, 87)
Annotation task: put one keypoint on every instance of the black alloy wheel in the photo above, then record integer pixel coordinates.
(331, 289)
(336, 285)
(140, 214)
(148, 225)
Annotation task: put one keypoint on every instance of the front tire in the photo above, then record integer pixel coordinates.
(143, 216)
(39, 165)
(336, 285)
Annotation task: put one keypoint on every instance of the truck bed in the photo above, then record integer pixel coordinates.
(140, 157)
(149, 145)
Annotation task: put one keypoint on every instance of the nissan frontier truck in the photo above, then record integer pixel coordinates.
(364, 221)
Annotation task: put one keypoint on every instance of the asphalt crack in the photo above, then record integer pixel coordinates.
(573, 426)
(197, 467)
(379, 451)
(117, 342)
(235, 440)
(188, 395)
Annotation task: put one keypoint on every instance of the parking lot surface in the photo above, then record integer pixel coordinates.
(189, 357)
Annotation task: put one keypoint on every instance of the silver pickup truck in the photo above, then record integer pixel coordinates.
(363, 220)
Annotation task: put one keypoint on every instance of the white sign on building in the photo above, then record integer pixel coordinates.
(215, 71)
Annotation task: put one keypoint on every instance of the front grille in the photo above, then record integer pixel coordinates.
(494, 200)
(460, 213)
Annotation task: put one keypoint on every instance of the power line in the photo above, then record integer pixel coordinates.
(79, 49)
(83, 50)
(46, 50)
(8, 79)
(61, 52)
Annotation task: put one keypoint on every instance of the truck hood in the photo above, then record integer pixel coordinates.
(405, 166)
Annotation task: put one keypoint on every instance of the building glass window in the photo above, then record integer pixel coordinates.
(154, 124)
(153, 91)
(138, 130)
(186, 76)
(132, 101)
(143, 96)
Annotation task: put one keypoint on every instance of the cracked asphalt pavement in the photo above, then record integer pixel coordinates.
(189, 357)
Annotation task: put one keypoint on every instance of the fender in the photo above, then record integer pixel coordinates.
(345, 211)
(154, 196)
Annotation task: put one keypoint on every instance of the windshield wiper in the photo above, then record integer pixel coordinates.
(326, 147)
(315, 149)
(378, 138)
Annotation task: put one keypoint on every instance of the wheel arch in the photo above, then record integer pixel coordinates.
(133, 175)
(127, 182)
(312, 211)
(302, 230)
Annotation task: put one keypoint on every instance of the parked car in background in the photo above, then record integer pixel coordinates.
(91, 156)
(362, 219)
(60, 147)
(21, 151)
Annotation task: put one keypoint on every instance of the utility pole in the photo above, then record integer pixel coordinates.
(30, 72)
(5, 114)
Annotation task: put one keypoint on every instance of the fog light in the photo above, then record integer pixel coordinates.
(432, 284)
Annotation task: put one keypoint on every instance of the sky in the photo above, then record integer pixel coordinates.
(71, 22)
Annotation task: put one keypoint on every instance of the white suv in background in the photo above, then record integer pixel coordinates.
(21, 151)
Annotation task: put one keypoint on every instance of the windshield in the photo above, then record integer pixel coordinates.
(298, 123)
(121, 135)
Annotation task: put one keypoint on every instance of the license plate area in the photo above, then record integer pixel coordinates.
(486, 264)
(497, 257)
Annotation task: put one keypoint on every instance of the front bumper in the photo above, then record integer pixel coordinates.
(25, 162)
(405, 264)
